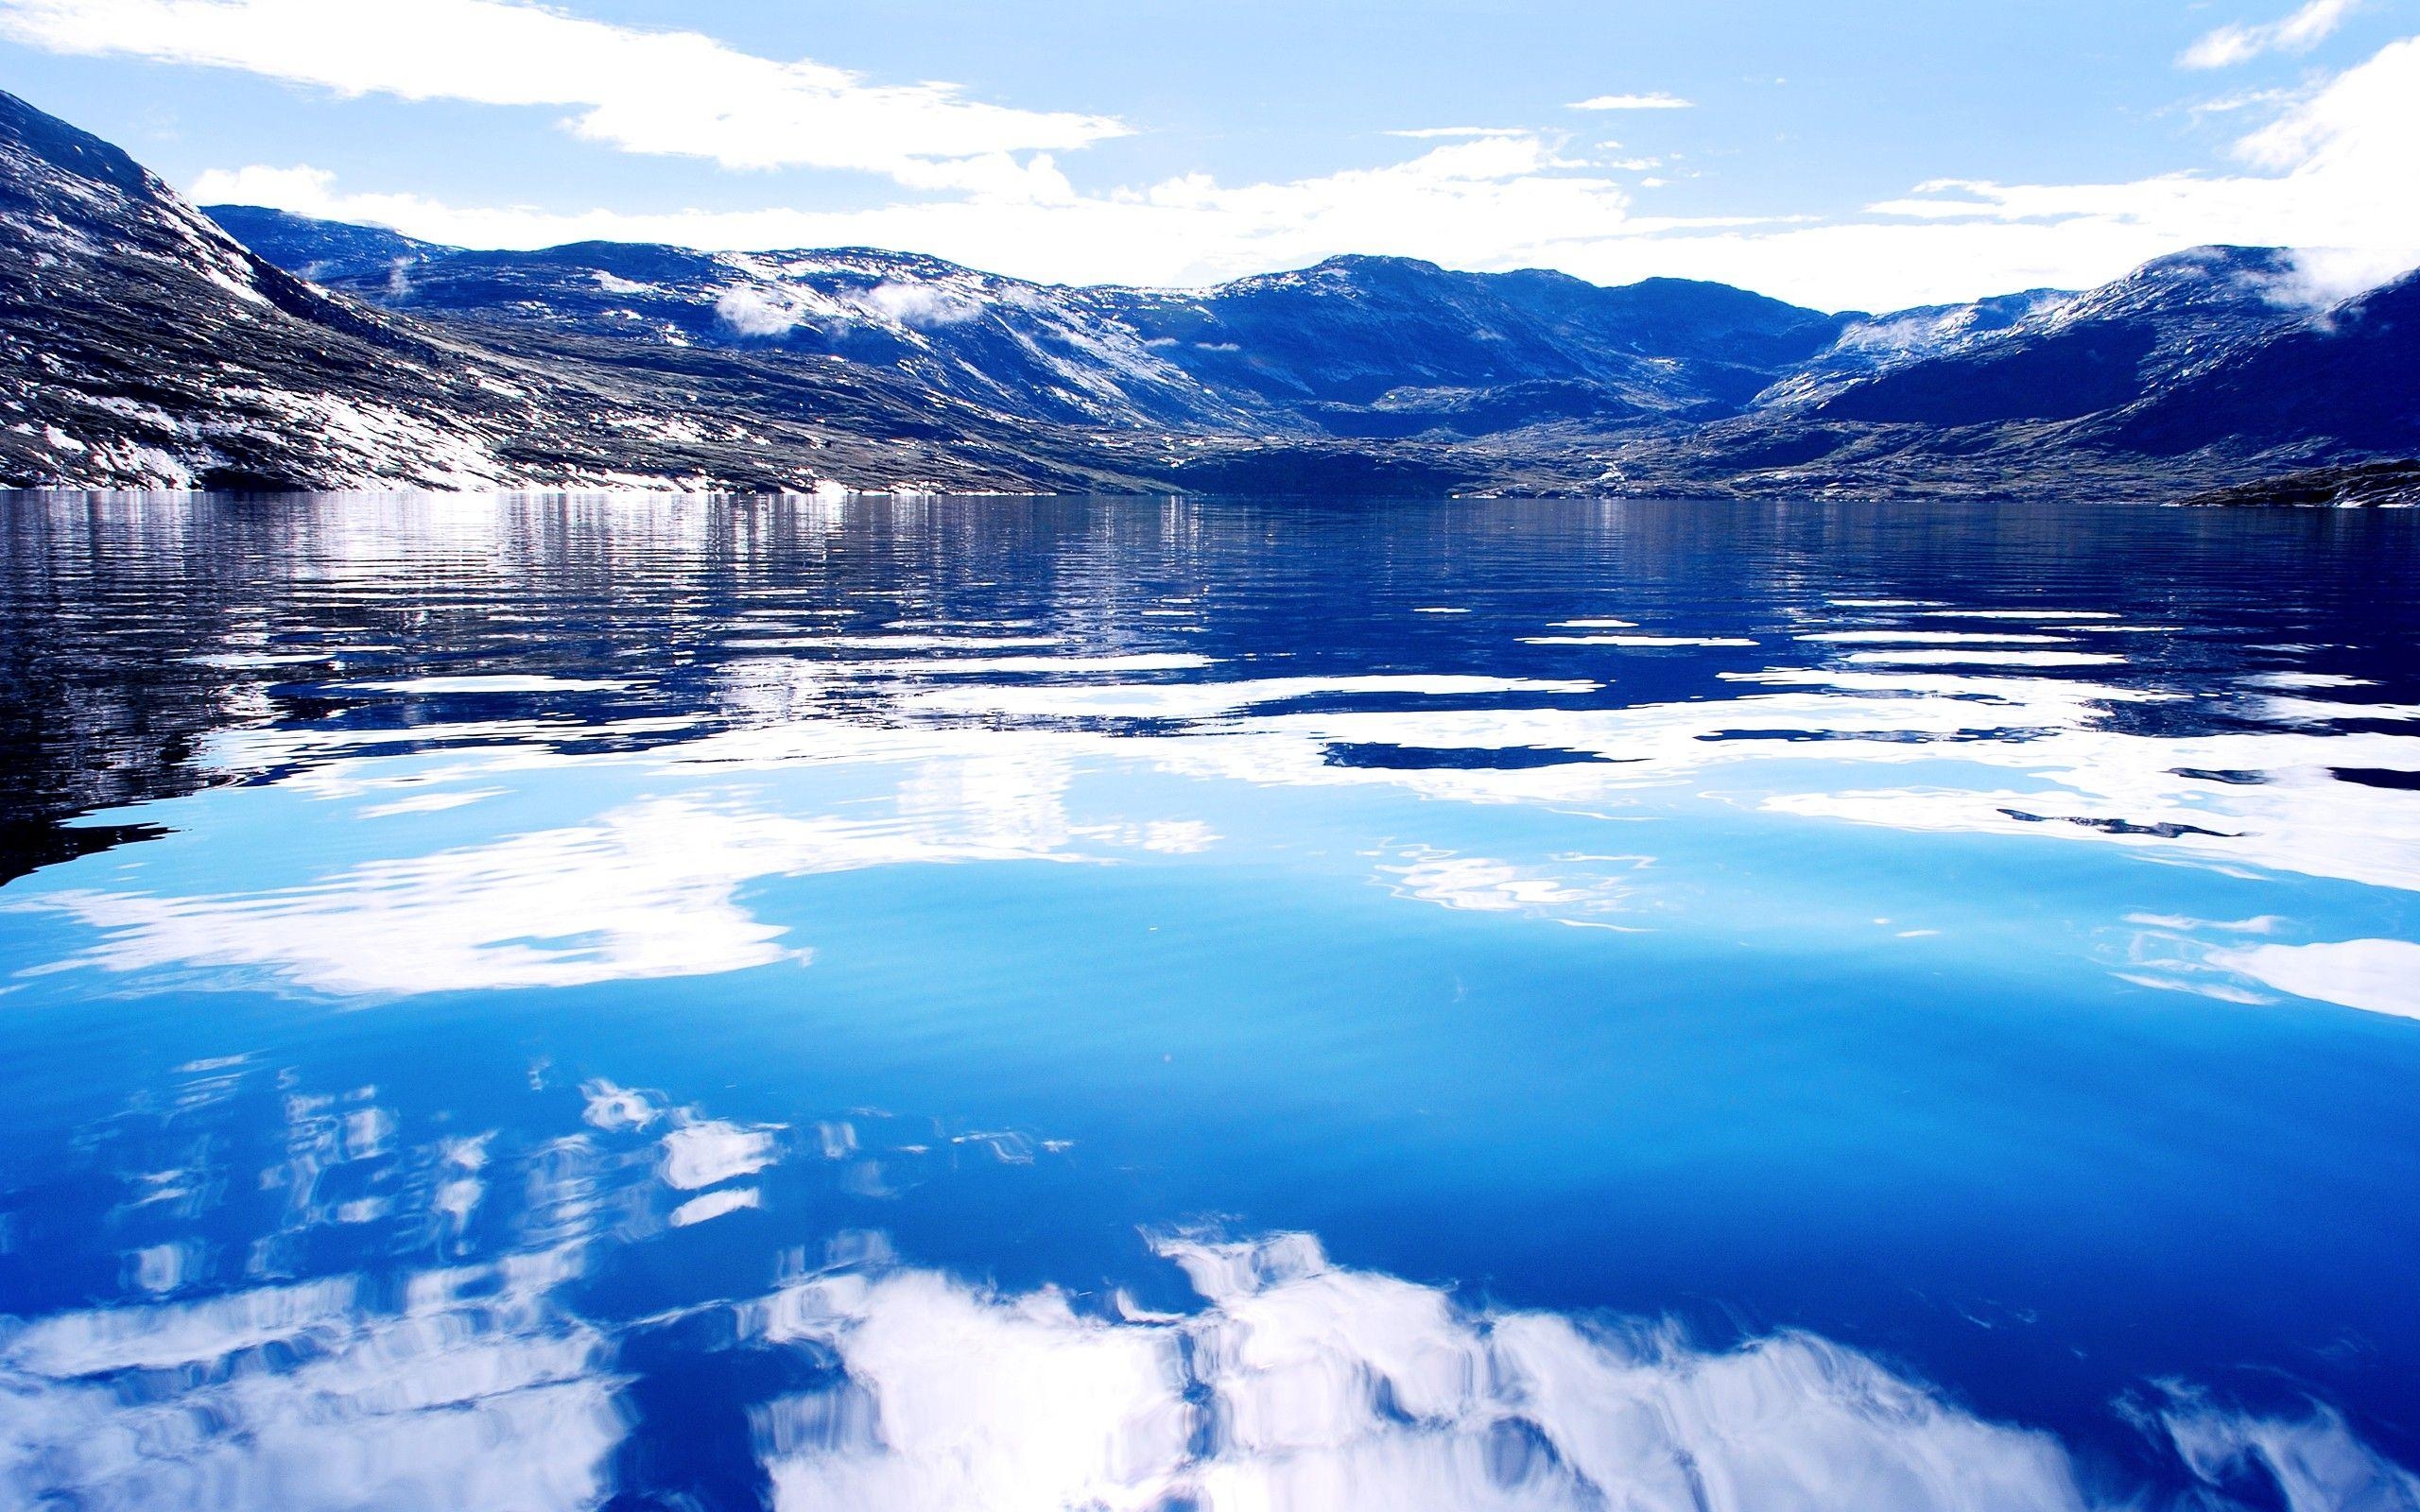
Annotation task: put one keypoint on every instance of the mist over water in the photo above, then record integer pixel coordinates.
(556, 1003)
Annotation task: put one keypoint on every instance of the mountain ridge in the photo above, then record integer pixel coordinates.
(1355, 347)
(1375, 350)
(144, 344)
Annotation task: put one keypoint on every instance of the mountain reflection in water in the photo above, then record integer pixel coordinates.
(550, 1003)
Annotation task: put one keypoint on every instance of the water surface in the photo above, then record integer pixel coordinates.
(994, 1004)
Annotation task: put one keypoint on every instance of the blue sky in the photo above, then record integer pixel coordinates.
(1874, 155)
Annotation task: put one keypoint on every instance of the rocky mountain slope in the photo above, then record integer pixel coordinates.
(1357, 347)
(1390, 347)
(146, 344)
(2176, 375)
(2073, 356)
(2345, 381)
(323, 251)
(2202, 369)
(143, 346)
(2363, 485)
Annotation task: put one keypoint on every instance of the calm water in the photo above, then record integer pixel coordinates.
(1127, 1004)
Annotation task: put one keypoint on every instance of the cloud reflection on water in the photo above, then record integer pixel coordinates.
(648, 889)
(984, 772)
(1302, 1385)
(610, 743)
(472, 1391)
(1296, 1385)
(2377, 975)
(1290, 1384)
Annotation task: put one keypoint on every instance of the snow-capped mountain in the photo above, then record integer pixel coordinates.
(1357, 347)
(1509, 373)
(323, 251)
(146, 344)
(1391, 347)
(141, 345)
(2211, 366)
(2095, 351)
(2344, 380)
(1017, 347)
(1873, 344)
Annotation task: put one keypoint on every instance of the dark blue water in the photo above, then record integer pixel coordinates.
(1006, 1004)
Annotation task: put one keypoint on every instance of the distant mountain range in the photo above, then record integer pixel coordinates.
(146, 344)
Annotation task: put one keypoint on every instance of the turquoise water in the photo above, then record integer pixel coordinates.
(1138, 1005)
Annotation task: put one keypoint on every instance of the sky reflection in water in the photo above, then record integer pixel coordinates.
(847, 1006)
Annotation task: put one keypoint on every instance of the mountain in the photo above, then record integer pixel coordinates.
(322, 252)
(1526, 380)
(2386, 485)
(146, 344)
(1018, 347)
(2346, 380)
(141, 345)
(1357, 347)
(1378, 347)
(2093, 351)
(2201, 370)
(1874, 344)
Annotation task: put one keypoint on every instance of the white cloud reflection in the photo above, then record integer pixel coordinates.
(473, 1392)
(2000, 753)
(1302, 1385)
(1293, 1384)
(2314, 1461)
(907, 772)
(1205, 700)
(2375, 975)
(1296, 1385)
(1484, 885)
(646, 889)
(703, 1152)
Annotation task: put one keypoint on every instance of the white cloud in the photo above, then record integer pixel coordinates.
(2297, 33)
(2331, 176)
(754, 310)
(2247, 99)
(672, 93)
(1657, 101)
(1470, 202)
(1434, 133)
(916, 305)
(2331, 173)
